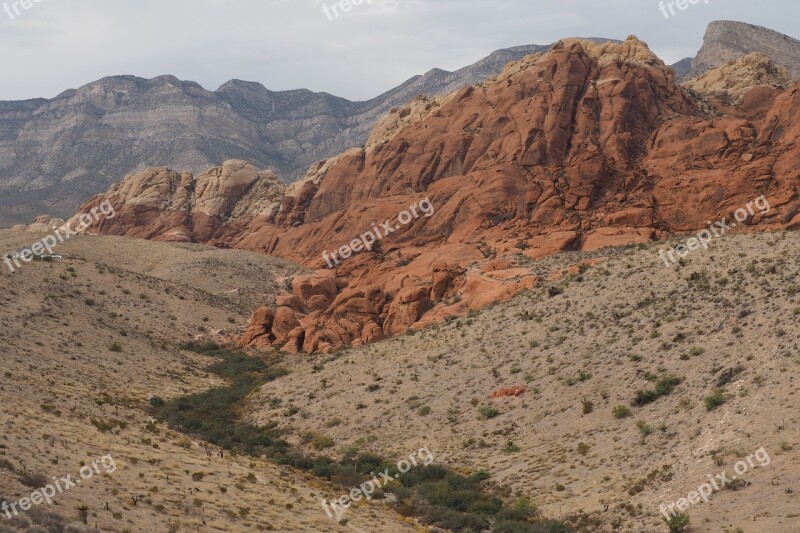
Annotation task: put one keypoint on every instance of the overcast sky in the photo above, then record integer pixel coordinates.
(288, 44)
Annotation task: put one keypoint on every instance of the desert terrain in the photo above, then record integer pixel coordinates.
(492, 273)
(87, 342)
(592, 336)
(597, 329)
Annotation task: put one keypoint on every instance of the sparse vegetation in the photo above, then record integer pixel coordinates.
(434, 494)
(664, 387)
(677, 523)
(715, 400)
(621, 411)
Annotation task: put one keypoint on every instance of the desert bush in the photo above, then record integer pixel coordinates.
(715, 400)
(677, 522)
(588, 406)
(487, 412)
(621, 411)
(664, 387)
(34, 480)
(156, 401)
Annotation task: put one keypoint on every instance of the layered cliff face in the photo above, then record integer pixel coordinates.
(727, 40)
(585, 146)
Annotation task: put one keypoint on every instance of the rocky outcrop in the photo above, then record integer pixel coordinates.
(510, 391)
(40, 224)
(586, 146)
(162, 204)
(732, 81)
(259, 331)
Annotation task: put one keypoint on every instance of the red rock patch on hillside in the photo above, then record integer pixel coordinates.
(511, 391)
(582, 147)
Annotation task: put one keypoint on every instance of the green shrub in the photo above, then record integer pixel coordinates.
(644, 429)
(621, 411)
(715, 400)
(156, 401)
(321, 442)
(588, 406)
(677, 522)
(664, 387)
(487, 412)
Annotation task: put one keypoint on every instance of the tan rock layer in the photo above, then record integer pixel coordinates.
(736, 78)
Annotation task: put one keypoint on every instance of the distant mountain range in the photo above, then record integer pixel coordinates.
(56, 153)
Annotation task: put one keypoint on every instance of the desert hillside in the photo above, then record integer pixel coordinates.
(616, 385)
(574, 355)
(88, 341)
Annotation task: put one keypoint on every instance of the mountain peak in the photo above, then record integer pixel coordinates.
(728, 40)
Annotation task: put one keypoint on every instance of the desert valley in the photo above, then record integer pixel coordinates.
(554, 291)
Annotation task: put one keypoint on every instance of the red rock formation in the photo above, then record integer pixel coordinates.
(583, 147)
(259, 331)
(511, 391)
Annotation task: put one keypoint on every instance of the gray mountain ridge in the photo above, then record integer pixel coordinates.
(55, 154)
(727, 40)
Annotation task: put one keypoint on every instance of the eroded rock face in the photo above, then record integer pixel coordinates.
(585, 146)
(259, 331)
(58, 152)
(161, 204)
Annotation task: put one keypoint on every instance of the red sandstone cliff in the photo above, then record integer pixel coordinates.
(585, 146)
